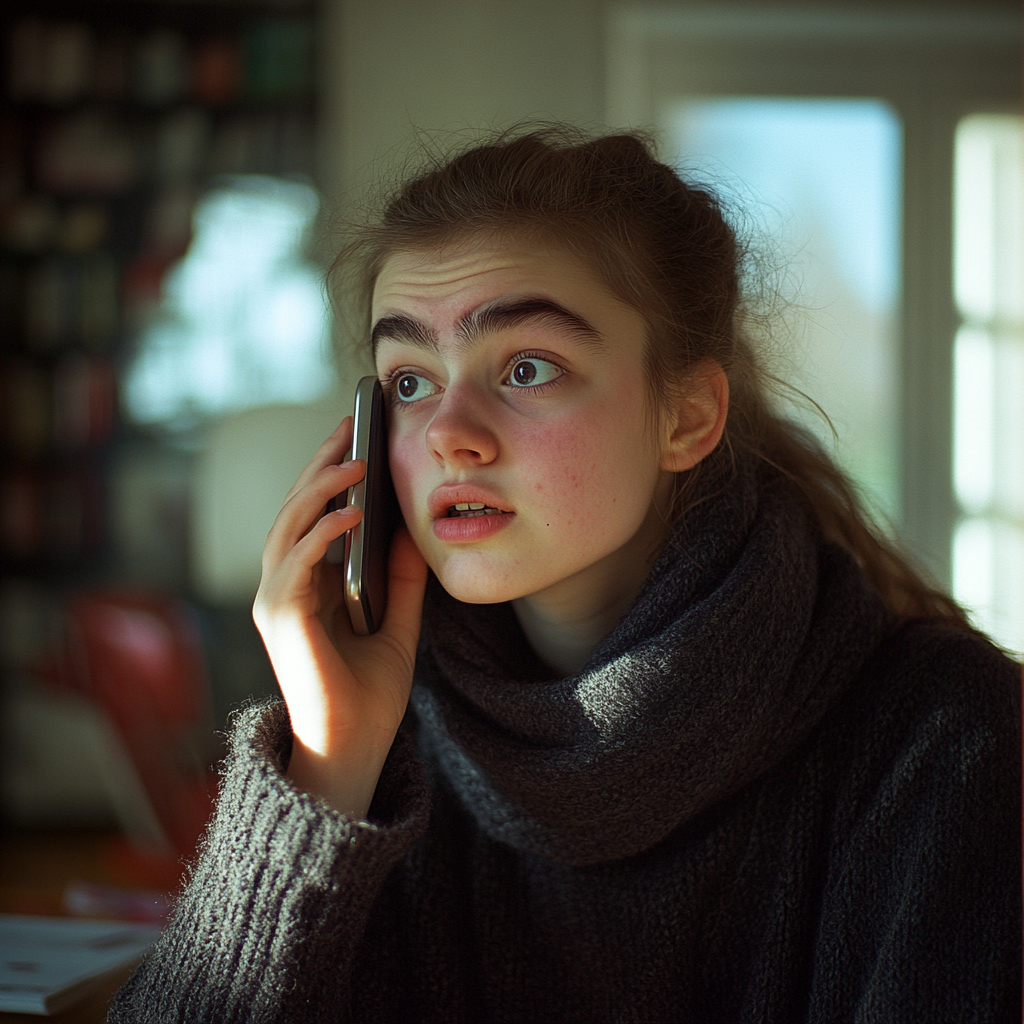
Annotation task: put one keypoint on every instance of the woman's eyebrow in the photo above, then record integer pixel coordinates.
(516, 312)
(399, 327)
(488, 319)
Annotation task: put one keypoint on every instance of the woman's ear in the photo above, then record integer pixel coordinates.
(699, 418)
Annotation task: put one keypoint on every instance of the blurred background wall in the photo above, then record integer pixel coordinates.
(397, 67)
(169, 176)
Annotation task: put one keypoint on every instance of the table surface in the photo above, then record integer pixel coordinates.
(36, 866)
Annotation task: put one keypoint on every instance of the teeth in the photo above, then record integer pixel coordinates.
(471, 509)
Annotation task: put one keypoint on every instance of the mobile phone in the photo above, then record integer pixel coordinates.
(365, 548)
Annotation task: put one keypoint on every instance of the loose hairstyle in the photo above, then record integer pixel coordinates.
(665, 248)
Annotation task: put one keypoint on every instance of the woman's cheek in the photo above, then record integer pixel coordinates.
(403, 474)
(567, 470)
(597, 472)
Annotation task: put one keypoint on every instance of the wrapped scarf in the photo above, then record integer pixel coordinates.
(746, 630)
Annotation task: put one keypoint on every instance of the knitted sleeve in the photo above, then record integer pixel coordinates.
(921, 917)
(278, 901)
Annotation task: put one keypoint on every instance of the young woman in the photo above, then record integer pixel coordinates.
(657, 727)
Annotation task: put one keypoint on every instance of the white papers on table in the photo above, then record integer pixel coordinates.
(48, 963)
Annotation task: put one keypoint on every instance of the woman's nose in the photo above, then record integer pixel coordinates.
(461, 432)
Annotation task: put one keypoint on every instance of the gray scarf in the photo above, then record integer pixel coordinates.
(747, 629)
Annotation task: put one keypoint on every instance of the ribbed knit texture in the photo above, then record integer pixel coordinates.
(271, 892)
(759, 802)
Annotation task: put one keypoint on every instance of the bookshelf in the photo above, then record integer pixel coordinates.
(115, 118)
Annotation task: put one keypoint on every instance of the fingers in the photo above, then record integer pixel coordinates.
(407, 581)
(302, 510)
(331, 452)
(313, 546)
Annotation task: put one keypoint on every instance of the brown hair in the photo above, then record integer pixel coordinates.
(665, 248)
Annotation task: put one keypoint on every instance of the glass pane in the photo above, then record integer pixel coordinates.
(973, 557)
(988, 567)
(821, 178)
(973, 404)
(1008, 440)
(989, 210)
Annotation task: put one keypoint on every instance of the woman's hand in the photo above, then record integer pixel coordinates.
(346, 694)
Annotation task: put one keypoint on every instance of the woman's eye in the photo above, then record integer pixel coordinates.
(409, 387)
(531, 372)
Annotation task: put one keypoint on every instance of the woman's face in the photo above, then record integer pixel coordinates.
(515, 381)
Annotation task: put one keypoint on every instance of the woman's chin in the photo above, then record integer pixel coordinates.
(476, 593)
(476, 587)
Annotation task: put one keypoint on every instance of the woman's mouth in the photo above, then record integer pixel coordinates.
(470, 522)
(469, 509)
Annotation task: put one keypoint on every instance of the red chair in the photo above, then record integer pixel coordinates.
(140, 659)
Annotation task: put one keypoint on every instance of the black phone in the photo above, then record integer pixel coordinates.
(365, 548)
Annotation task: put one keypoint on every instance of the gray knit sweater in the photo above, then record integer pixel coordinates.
(760, 801)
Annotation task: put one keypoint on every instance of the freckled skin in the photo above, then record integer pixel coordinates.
(528, 445)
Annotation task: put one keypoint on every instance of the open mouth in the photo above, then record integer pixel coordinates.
(466, 510)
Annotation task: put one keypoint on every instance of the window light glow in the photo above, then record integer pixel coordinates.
(973, 427)
(822, 177)
(988, 461)
(988, 570)
(243, 320)
(973, 557)
(989, 215)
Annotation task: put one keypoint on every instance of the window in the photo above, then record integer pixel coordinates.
(821, 178)
(242, 320)
(930, 67)
(988, 438)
